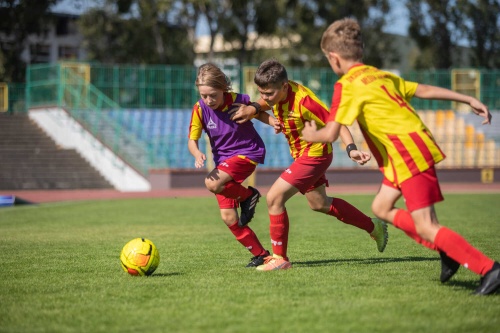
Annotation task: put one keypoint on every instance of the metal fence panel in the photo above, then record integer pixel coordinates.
(142, 112)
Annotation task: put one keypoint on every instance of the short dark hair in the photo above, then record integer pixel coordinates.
(270, 72)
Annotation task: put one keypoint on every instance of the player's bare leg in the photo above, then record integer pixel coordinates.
(216, 179)
(383, 204)
(220, 182)
(279, 193)
(383, 207)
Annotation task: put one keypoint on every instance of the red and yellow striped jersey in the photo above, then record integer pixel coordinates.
(398, 139)
(301, 105)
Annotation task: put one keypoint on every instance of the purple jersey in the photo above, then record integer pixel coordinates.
(228, 138)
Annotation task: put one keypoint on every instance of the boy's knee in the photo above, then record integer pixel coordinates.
(426, 228)
(379, 211)
(212, 186)
(274, 203)
(318, 207)
(269, 200)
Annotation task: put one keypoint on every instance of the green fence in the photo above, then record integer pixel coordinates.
(153, 87)
(148, 87)
(17, 98)
(111, 102)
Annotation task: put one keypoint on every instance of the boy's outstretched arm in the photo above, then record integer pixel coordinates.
(329, 133)
(353, 152)
(246, 112)
(426, 91)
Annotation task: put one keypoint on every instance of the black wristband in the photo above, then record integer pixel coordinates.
(257, 107)
(349, 148)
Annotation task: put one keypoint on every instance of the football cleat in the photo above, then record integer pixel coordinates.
(258, 260)
(248, 207)
(273, 263)
(380, 234)
(448, 267)
(490, 282)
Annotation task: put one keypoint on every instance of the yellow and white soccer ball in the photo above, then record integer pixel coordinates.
(140, 257)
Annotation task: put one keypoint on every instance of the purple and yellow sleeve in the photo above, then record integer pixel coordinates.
(196, 123)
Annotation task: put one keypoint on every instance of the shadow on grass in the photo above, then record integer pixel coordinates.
(470, 285)
(463, 284)
(363, 261)
(164, 274)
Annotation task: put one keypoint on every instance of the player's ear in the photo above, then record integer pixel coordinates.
(285, 85)
(333, 56)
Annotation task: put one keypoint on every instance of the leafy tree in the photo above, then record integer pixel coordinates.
(136, 31)
(296, 23)
(440, 28)
(235, 20)
(19, 19)
(482, 29)
(315, 16)
(211, 11)
(433, 26)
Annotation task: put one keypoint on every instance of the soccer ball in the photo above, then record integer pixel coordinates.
(140, 257)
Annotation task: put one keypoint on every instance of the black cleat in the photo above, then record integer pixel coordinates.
(248, 207)
(490, 282)
(258, 260)
(448, 267)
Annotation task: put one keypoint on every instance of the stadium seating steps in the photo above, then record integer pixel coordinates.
(165, 132)
(31, 160)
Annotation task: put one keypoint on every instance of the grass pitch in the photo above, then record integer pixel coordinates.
(60, 271)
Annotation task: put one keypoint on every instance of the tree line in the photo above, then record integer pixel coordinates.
(164, 31)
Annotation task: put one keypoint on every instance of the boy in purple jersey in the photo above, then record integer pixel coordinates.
(237, 150)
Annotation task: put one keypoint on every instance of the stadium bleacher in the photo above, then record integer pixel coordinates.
(164, 134)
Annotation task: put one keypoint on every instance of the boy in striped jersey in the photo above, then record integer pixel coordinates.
(405, 150)
(293, 105)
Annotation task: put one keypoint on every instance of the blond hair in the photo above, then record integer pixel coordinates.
(212, 76)
(343, 37)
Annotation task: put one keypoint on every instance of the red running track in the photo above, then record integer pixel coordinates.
(42, 196)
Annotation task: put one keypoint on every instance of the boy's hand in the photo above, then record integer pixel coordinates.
(308, 131)
(275, 123)
(241, 113)
(360, 157)
(481, 110)
(199, 161)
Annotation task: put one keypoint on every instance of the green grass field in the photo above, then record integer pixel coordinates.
(60, 271)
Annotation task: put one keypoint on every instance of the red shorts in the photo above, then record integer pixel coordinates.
(239, 168)
(419, 191)
(307, 173)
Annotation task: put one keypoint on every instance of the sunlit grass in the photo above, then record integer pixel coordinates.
(60, 271)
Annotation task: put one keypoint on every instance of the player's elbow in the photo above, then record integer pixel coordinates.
(332, 132)
(331, 136)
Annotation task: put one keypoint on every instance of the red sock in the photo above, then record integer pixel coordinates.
(404, 221)
(279, 233)
(457, 248)
(234, 190)
(247, 238)
(349, 214)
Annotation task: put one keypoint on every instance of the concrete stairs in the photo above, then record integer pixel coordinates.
(31, 160)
